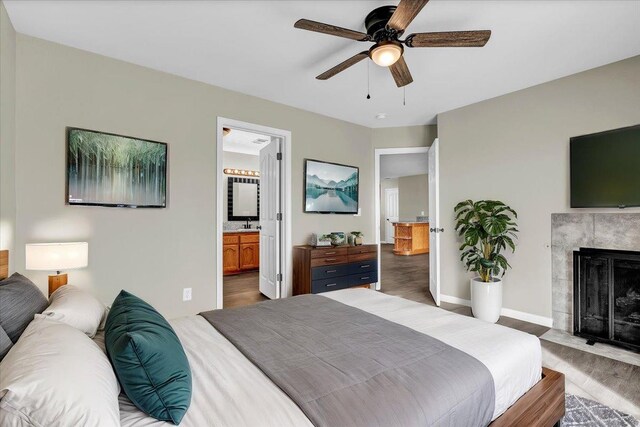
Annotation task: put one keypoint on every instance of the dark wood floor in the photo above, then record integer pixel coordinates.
(241, 289)
(611, 382)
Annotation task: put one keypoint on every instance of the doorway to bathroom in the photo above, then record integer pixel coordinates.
(253, 213)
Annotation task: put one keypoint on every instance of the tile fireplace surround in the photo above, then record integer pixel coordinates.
(571, 231)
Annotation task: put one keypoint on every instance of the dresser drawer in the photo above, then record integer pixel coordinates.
(362, 249)
(250, 238)
(327, 272)
(326, 285)
(363, 256)
(329, 252)
(331, 260)
(363, 267)
(363, 278)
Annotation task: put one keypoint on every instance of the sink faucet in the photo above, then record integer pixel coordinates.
(246, 226)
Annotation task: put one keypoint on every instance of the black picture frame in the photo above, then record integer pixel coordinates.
(73, 201)
(230, 181)
(331, 211)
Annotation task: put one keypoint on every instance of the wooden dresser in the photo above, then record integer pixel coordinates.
(411, 238)
(317, 270)
(240, 252)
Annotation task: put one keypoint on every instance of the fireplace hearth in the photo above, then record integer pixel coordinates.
(607, 296)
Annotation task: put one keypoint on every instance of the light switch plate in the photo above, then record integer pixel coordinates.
(186, 294)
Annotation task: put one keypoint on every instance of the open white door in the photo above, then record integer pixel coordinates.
(434, 223)
(391, 206)
(270, 220)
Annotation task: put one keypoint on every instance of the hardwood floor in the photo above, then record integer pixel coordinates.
(611, 382)
(241, 289)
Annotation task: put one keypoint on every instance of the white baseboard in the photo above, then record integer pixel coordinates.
(514, 314)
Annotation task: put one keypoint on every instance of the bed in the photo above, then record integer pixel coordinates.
(230, 390)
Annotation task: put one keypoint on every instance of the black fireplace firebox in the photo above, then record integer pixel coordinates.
(606, 296)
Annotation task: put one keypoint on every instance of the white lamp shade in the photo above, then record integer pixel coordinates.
(57, 256)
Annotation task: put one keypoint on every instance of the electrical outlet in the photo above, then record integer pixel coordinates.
(186, 294)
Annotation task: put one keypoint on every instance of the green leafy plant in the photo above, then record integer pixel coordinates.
(487, 228)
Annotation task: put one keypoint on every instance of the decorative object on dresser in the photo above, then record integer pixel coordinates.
(240, 252)
(355, 238)
(606, 296)
(106, 169)
(486, 227)
(317, 270)
(330, 187)
(320, 240)
(56, 257)
(411, 238)
(337, 238)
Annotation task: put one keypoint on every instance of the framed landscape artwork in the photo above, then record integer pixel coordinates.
(105, 169)
(330, 188)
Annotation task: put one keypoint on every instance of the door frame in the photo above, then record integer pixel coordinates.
(378, 152)
(286, 248)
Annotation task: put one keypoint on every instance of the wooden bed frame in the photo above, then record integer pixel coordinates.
(541, 406)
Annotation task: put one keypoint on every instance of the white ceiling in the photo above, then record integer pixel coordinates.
(252, 47)
(399, 165)
(240, 141)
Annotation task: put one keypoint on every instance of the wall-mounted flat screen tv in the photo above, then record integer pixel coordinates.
(605, 169)
(330, 188)
(104, 169)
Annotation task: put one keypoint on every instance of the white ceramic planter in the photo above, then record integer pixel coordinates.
(486, 299)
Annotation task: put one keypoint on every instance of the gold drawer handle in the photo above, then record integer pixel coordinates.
(331, 271)
(330, 259)
(329, 253)
(333, 284)
(365, 266)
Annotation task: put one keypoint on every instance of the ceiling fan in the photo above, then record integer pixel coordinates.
(385, 25)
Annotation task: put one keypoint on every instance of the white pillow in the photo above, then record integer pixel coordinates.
(75, 307)
(56, 376)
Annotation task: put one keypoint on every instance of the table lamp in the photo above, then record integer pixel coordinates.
(57, 257)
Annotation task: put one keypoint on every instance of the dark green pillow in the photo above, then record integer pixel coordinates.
(148, 358)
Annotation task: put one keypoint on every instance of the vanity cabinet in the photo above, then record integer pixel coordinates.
(240, 252)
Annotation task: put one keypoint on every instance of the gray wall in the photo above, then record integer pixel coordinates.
(236, 161)
(407, 136)
(153, 253)
(7, 135)
(515, 148)
(413, 196)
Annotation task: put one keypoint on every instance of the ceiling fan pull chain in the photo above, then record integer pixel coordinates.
(368, 91)
(404, 95)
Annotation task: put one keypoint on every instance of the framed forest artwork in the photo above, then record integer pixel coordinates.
(104, 169)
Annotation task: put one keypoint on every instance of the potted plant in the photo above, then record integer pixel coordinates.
(487, 228)
(356, 238)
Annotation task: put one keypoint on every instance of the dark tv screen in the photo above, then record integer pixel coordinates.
(605, 169)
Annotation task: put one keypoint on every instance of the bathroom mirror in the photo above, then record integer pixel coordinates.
(243, 199)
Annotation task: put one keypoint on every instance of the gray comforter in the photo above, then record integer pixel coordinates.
(345, 367)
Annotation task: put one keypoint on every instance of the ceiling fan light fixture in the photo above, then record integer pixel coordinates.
(386, 53)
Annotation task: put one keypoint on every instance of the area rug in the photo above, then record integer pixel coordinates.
(587, 413)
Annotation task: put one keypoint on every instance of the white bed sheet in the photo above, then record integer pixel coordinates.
(228, 390)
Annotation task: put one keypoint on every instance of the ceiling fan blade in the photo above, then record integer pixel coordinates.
(449, 39)
(406, 11)
(319, 27)
(343, 65)
(400, 72)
